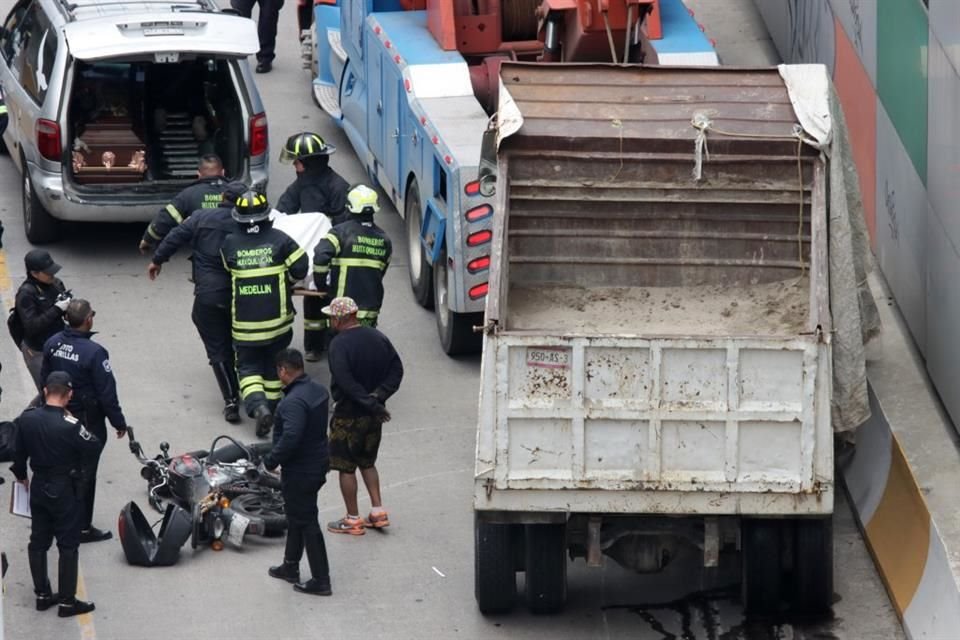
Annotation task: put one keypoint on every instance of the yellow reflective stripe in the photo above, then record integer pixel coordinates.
(264, 335)
(172, 210)
(3, 109)
(273, 395)
(359, 262)
(321, 269)
(293, 257)
(367, 314)
(272, 384)
(342, 281)
(332, 239)
(258, 272)
(248, 381)
(263, 324)
(283, 299)
(153, 234)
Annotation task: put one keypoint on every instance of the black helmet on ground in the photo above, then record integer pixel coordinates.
(251, 207)
(306, 144)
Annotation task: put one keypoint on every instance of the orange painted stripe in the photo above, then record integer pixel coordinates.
(898, 534)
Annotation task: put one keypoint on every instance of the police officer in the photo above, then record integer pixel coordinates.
(58, 447)
(300, 445)
(40, 303)
(204, 193)
(94, 397)
(352, 259)
(205, 231)
(263, 263)
(318, 188)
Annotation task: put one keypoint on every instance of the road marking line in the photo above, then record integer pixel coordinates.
(85, 621)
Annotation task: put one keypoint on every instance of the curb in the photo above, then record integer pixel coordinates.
(899, 531)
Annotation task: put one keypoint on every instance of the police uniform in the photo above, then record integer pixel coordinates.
(263, 263)
(94, 394)
(351, 261)
(58, 447)
(204, 193)
(36, 308)
(205, 232)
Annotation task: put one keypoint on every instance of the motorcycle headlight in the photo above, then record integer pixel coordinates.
(218, 528)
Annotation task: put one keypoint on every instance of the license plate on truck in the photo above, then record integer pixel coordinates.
(548, 357)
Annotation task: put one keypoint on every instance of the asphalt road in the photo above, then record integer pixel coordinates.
(415, 580)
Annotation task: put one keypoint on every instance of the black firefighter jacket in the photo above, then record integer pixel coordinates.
(351, 260)
(205, 193)
(263, 263)
(322, 191)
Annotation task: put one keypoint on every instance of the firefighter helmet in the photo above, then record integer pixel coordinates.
(251, 207)
(305, 145)
(363, 199)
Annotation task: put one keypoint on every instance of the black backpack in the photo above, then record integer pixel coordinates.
(14, 323)
(8, 441)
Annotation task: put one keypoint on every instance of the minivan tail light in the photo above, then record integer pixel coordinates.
(48, 140)
(258, 134)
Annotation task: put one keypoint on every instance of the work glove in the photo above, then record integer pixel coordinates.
(63, 301)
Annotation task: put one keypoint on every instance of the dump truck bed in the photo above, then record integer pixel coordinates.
(658, 324)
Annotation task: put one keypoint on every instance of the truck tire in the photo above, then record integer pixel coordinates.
(39, 225)
(813, 566)
(495, 580)
(457, 336)
(762, 568)
(546, 567)
(421, 273)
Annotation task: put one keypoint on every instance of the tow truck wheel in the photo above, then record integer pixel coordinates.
(546, 566)
(761, 556)
(421, 274)
(813, 566)
(456, 329)
(495, 579)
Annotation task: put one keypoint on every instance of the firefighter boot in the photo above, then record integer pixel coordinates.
(264, 418)
(227, 381)
(69, 605)
(41, 582)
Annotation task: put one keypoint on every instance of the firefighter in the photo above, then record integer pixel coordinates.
(203, 193)
(263, 263)
(352, 259)
(205, 231)
(318, 188)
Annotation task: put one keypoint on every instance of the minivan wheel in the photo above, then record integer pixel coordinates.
(38, 224)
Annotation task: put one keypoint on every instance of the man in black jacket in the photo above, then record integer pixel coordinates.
(300, 445)
(40, 303)
(317, 189)
(58, 447)
(204, 193)
(94, 398)
(365, 370)
(205, 231)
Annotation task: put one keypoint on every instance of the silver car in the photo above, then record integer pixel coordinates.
(111, 104)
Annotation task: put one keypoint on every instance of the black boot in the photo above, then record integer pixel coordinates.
(41, 582)
(264, 418)
(227, 381)
(289, 571)
(69, 605)
(319, 583)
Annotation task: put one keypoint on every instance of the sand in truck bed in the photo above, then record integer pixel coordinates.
(778, 308)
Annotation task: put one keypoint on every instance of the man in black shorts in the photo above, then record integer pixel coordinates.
(365, 370)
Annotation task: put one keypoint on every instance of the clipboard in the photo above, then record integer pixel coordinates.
(20, 500)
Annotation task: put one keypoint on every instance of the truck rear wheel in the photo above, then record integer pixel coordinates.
(813, 565)
(546, 567)
(421, 274)
(762, 568)
(456, 329)
(495, 579)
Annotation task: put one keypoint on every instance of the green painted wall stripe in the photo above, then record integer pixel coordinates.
(902, 41)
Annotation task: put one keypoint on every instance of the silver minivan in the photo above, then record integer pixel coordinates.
(112, 103)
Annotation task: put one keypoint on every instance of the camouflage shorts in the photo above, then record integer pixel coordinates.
(354, 442)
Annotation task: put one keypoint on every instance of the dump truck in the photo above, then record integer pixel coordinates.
(657, 370)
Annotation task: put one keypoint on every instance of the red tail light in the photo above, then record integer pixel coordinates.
(477, 214)
(478, 238)
(478, 264)
(258, 134)
(478, 291)
(48, 140)
(472, 188)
